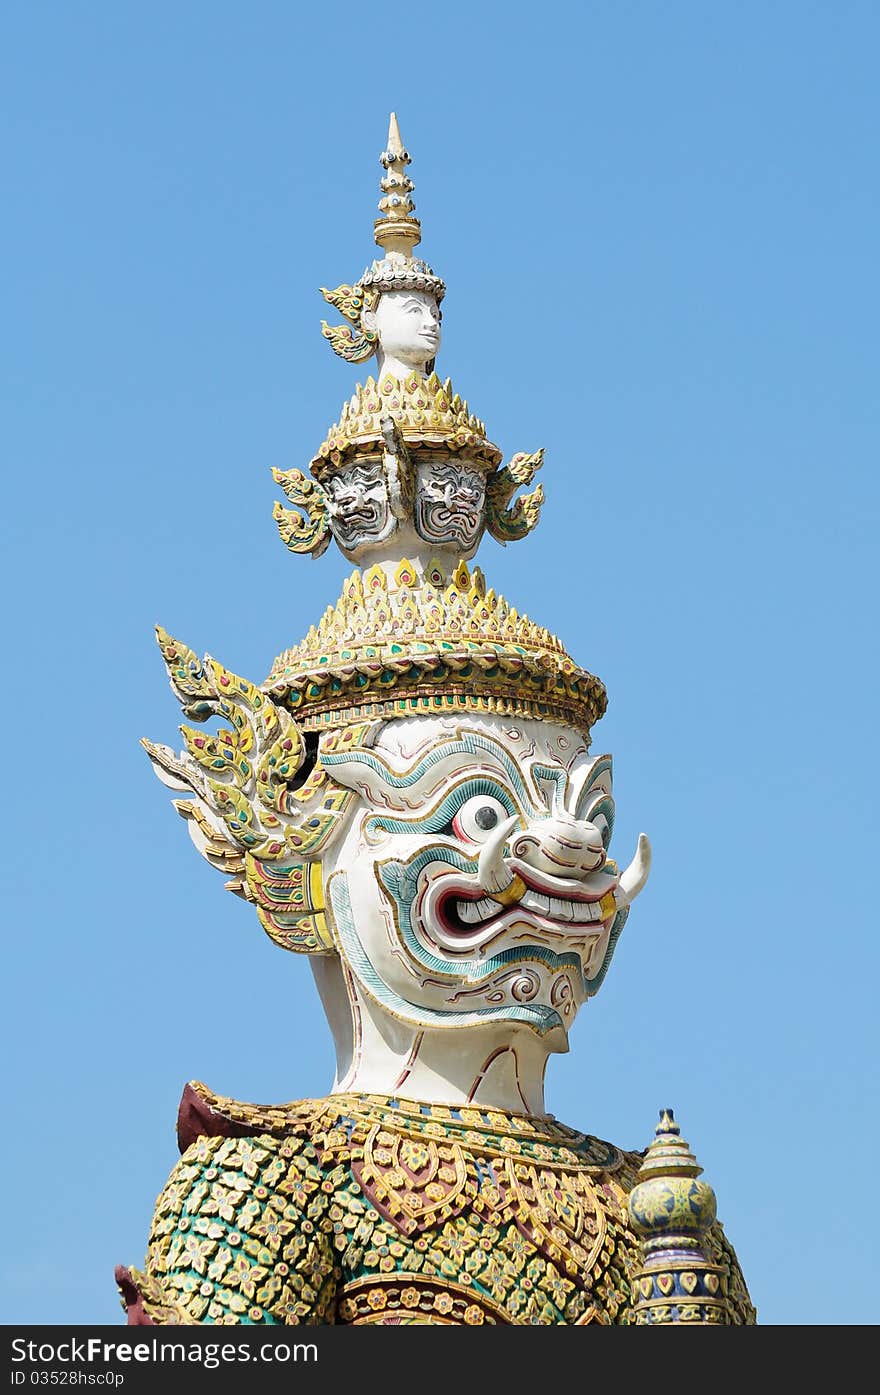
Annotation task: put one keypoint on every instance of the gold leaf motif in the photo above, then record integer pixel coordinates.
(505, 521)
(424, 410)
(408, 1177)
(306, 527)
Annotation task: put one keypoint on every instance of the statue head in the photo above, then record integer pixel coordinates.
(393, 310)
(472, 886)
(406, 324)
(449, 875)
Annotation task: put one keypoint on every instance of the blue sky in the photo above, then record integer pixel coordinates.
(659, 227)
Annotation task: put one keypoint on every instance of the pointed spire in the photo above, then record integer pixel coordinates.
(398, 230)
(668, 1154)
(395, 144)
(672, 1213)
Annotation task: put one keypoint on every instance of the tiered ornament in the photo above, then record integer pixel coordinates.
(673, 1213)
(410, 799)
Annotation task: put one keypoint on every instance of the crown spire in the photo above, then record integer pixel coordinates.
(398, 230)
(682, 1277)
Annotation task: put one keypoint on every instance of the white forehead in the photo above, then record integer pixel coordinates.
(391, 299)
(525, 739)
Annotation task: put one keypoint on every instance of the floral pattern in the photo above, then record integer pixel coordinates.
(525, 1223)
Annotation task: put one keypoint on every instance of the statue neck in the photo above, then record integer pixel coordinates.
(499, 1066)
(387, 363)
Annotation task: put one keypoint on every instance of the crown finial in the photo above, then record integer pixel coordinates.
(672, 1212)
(395, 143)
(398, 230)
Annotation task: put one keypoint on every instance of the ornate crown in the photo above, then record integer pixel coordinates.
(406, 482)
(397, 232)
(427, 411)
(427, 644)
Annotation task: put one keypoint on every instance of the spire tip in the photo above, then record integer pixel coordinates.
(395, 144)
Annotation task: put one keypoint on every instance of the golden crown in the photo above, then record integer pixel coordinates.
(406, 474)
(423, 644)
(429, 413)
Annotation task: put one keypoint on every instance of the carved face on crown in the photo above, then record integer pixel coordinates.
(357, 504)
(472, 884)
(407, 324)
(450, 500)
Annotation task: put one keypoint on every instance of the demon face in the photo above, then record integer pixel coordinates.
(473, 884)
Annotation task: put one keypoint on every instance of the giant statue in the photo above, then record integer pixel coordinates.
(411, 799)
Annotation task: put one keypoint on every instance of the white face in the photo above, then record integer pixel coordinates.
(408, 326)
(450, 500)
(357, 501)
(472, 885)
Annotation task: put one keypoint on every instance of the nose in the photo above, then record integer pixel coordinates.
(562, 847)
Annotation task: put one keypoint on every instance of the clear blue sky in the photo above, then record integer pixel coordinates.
(659, 228)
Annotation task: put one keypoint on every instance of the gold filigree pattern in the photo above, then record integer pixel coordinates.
(428, 412)
(413, 1181)
(256, 810)
(290, 903)
(352, 342)
(564, 1215)
(413, 638)
(505, 521)
(362, 1209)
(245, 776)
(305, 527)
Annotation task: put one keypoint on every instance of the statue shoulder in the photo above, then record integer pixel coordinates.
(240, 1231)
(204, 1114)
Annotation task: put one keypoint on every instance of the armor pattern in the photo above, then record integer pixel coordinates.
(361, 1209)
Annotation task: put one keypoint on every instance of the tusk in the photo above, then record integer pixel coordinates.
(635, 876)
(493, 873)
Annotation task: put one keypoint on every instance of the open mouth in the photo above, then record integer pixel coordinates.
(552, 902)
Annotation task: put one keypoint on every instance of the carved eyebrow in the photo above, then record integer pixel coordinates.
(396, 788)
(468, 784)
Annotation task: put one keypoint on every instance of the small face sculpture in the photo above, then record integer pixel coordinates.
(357, 500)
(473, 885)
(408, 326)
(450, 499)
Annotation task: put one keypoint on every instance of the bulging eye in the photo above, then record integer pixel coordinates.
(478, 816)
